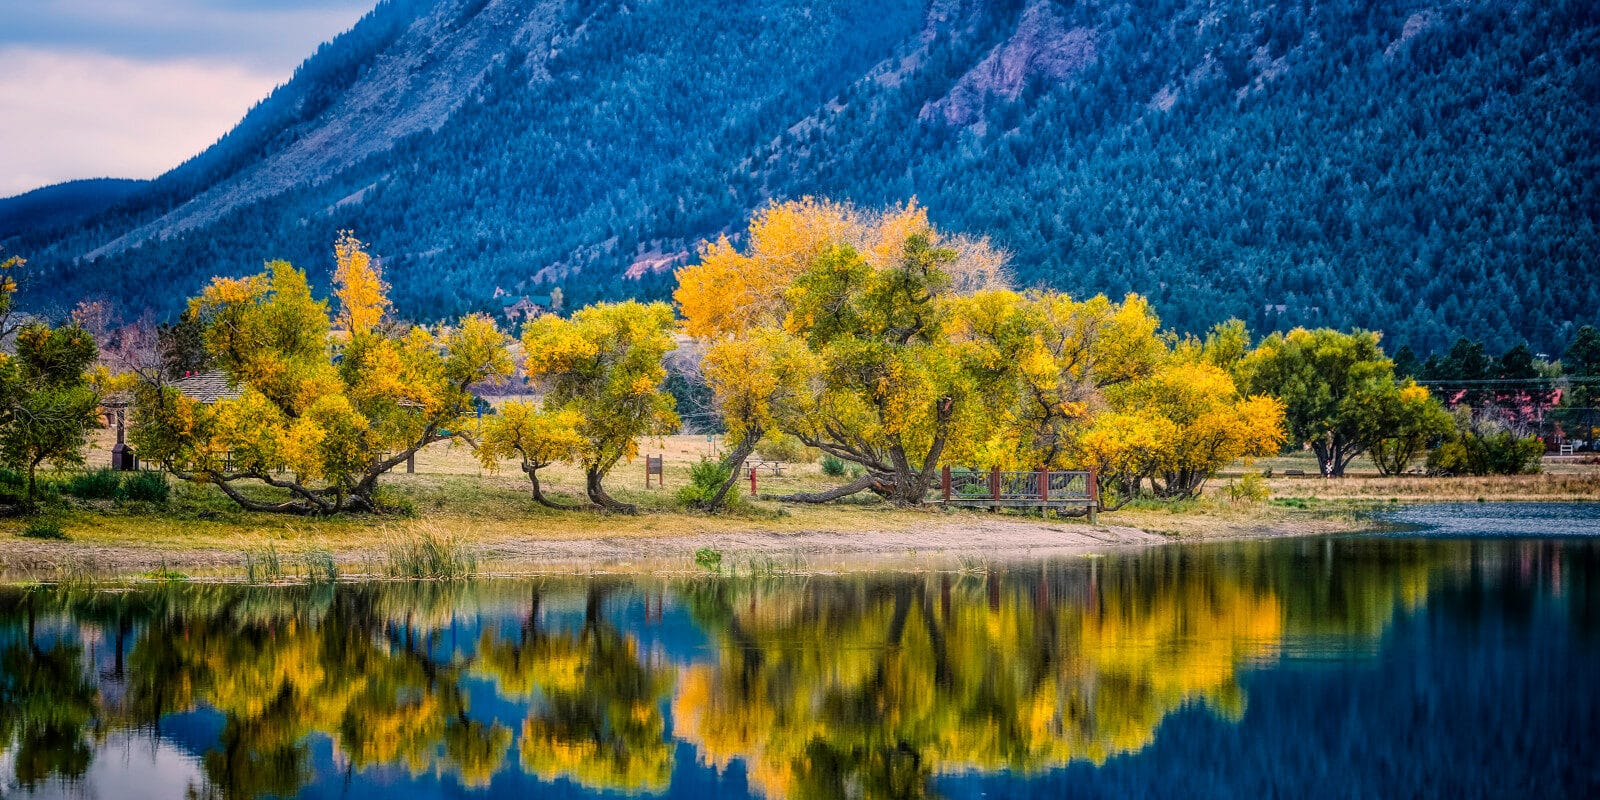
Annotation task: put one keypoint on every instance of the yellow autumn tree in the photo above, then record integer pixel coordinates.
(1170, 430)
(605, 365)
(1050, 358)
(534, 438)
(858, 302)
(317, 417)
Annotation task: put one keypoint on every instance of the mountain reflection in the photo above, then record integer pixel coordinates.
(863, 686)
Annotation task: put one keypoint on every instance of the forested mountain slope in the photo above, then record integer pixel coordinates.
(1429, 169)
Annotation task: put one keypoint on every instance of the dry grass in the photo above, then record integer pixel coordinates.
(1562, 479)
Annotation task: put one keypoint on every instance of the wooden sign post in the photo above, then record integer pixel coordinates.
(652, 466)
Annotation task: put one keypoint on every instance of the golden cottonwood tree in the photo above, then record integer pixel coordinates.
(892, 387)
(319, 414)
(757, 379)
(1200, 423)
(605, 364)
(535, 438)
(1051, 358)
(853, 306)
(1180, 423)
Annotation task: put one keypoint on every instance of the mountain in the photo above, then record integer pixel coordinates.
(62, 205)
(1428, 169)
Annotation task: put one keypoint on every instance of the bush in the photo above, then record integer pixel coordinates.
(709, 560)
(832, 466)
(705, 478)
(100, 484)
(44, 528)
(1502, 453)
(146, 486)
(1250, 488)
(1485, 447)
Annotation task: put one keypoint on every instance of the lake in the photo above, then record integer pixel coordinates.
(1454, 652)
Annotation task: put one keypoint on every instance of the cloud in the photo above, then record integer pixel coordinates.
(93, 88)
(269, 35)
(83, 115)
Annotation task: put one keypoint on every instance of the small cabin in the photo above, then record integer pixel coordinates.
(206, 387)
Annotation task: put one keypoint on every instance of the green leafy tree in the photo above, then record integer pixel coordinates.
(1404, 424)
(47, 404)
(1331, 385)
(605, 364)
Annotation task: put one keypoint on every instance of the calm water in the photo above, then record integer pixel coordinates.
(1458, 658)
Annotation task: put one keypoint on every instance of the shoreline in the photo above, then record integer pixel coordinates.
(936, 542)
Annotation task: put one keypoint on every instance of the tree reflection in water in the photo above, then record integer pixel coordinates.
(864, 686)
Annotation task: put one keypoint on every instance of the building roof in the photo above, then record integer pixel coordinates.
(206, 387)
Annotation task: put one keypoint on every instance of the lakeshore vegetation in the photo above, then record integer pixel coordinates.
(866, 339)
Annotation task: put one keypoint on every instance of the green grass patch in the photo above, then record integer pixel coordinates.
(431, 556)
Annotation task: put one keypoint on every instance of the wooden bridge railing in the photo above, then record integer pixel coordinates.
(1041, 488)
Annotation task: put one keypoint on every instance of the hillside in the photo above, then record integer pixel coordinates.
(1429, 169)
(64, 204)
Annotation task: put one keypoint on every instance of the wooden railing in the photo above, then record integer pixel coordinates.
(996, 488)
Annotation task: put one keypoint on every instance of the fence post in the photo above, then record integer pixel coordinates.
(752, 481)
(994, 484)
(1044, 484)
(1094, 496)
(944, 482)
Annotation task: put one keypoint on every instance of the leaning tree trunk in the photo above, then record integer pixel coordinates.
(597, 494)
(732, 461)
(538, 491)
(860, 484)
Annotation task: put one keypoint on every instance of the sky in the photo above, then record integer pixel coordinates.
(132, 88)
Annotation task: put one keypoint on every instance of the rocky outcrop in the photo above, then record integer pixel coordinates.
(1043, 47)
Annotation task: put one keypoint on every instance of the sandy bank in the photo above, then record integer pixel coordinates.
(934, 543)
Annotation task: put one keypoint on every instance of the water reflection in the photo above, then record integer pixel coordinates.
(864, 686)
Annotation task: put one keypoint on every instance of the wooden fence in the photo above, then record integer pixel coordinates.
(1041, 489)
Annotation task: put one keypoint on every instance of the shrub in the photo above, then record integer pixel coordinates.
(1485, 448)
(1250, 488)
(145, 486)
(44, 528)
(832, 466)
(709, 560)
(100, 484)
(705, 478)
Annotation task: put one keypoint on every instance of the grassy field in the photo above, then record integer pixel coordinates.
(452, 501)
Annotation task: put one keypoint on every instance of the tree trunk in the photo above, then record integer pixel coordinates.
(732, 461)
(597, 495)
(538, 491)
(860, 484)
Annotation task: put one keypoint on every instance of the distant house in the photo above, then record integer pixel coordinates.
(527, 307)
(206, 387)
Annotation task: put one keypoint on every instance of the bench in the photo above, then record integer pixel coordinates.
(1294, 473)
(774, 467)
